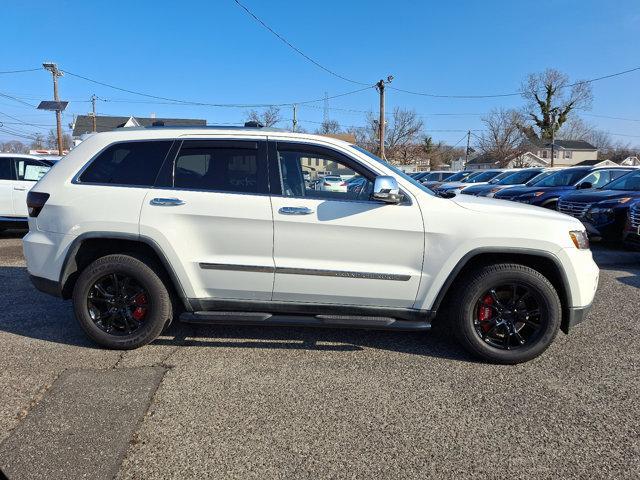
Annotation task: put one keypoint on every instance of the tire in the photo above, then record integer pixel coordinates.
(158, 306)
(466, 319)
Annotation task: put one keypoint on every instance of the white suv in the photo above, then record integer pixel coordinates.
(18, 173)
(218, 226)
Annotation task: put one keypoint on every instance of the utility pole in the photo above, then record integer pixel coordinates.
(553, 136)
(295, 117)
(55, 72)
(93, 112)
(381, 123)
(466, 152)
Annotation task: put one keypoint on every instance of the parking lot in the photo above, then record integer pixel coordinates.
(245, 402)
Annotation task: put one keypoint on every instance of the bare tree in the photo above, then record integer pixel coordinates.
(38, 141)
(502, 138)
(329, 127)
(552, 96)
(14, 146)
(268, 117)
(52, 140)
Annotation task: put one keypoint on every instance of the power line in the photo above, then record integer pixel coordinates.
(20, 71)
(233, 105)
(15, 99)
(514, 94)
(290, 45)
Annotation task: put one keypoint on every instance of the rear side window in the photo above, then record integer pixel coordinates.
(128, 163)
(6, 172)
(223, 166)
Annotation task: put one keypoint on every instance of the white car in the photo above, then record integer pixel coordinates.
(333, 183)
(219, 224)
(18, 173)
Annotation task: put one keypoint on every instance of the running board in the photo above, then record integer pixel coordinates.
(332, 321)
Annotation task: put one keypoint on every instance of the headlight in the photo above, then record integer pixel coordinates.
(580, 239)
(600, 210)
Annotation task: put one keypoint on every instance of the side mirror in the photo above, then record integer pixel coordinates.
(385, 189)
(585, 185)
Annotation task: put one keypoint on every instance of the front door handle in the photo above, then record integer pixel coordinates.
(295, 211)
(166, 202)
(20, 189)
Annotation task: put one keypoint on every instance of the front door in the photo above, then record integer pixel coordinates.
(212, 217)
(332, 244)
(7, 179)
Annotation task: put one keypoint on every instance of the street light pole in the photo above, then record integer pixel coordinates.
(55, 72)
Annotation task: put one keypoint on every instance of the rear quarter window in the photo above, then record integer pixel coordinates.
(127, 163)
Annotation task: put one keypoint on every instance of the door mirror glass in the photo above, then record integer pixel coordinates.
(385, 189)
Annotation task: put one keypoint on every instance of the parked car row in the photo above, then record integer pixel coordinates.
(604, 199)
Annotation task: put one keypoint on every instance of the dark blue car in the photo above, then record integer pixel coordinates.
(631, 234)
(516, 177)
(546, 192)
(603, 211)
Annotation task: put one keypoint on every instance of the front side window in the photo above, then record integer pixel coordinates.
(313, 174)
(597, 179)
(30, 170)
(6, 171)
(221, 166)
(128, 163)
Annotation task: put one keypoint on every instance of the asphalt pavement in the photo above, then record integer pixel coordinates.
(249, 402)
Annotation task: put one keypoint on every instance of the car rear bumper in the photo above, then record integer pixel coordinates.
(50, 287)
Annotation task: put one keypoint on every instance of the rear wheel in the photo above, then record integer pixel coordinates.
(121, 302)
(508, 313)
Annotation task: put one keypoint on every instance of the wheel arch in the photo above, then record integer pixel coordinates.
(540, 260)
(92, 245)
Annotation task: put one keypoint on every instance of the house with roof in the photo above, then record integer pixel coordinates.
(83, 124)
(566, 153)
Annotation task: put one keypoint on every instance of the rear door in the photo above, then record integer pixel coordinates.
(28, 172)
(6, 186)
(210, 212)
(339, 247)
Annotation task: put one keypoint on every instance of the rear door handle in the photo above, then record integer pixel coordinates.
(20, 189)
(166, 202)
(295, 211)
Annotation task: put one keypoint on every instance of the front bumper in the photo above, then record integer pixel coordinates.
(575, 316)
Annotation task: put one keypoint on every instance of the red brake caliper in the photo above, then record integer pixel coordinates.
(139, 312)
(485, 312)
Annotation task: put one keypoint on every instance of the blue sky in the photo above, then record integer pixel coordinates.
(212, 51)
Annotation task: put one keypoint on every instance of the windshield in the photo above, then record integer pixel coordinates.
(631, 181)
(481, 177)
(563, 178)
(435, 176)
(517, 178)
(456, 177)
(395, 170)
(497, 178)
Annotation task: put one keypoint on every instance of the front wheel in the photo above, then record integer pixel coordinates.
(507, 313)
(121, 302)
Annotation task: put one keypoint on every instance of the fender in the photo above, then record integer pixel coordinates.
(69, 265)
(531, 252)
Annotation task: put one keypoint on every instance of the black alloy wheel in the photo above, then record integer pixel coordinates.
(117, 304)
(508, 316)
